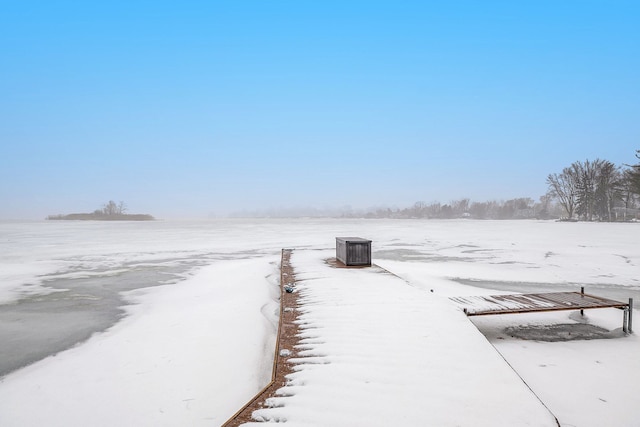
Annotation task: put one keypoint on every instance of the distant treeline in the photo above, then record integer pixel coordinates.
(111, 211)
(520, 208)
(588, 191)
(102, 217)
(597, 190)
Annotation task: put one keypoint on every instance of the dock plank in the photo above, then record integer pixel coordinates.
(528, 303)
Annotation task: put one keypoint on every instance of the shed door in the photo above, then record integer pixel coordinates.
(358, 253)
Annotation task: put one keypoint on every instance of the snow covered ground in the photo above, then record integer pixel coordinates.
(380, 352)
(200, 303)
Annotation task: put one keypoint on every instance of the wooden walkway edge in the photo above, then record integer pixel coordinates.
(285, 340)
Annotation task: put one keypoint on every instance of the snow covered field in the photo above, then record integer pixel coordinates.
(200, 302)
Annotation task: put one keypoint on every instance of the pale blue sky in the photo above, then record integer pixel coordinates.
(191, 108)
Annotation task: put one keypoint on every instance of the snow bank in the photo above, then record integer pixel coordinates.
(166, 363)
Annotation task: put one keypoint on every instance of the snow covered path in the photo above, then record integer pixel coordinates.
(379, 352)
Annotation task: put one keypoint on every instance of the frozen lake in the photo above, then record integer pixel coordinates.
(63, 284)
(63, 281)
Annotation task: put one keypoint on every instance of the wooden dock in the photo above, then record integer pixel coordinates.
(541, 302)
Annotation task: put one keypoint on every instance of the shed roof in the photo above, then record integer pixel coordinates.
(353, 239)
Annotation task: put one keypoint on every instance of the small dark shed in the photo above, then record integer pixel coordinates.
(353, 250)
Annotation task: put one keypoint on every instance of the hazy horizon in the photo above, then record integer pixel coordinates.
(202, 109)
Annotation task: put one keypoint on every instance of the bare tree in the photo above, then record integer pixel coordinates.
(608, 189)
(588, 189)
(434, 209)
(479, 210)
(630, 187)
(634, 176)
(629, 194)
(418, 210)
(460, 207)
(587, 175)
(112, 208)
(563, 187)
(543, 208)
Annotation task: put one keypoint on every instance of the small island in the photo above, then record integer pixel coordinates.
(111, 211)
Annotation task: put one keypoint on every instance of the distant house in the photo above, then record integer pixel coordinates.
(625, 214)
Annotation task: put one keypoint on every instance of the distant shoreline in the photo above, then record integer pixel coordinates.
(101, 217)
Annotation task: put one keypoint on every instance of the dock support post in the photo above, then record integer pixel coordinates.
(630, 318)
